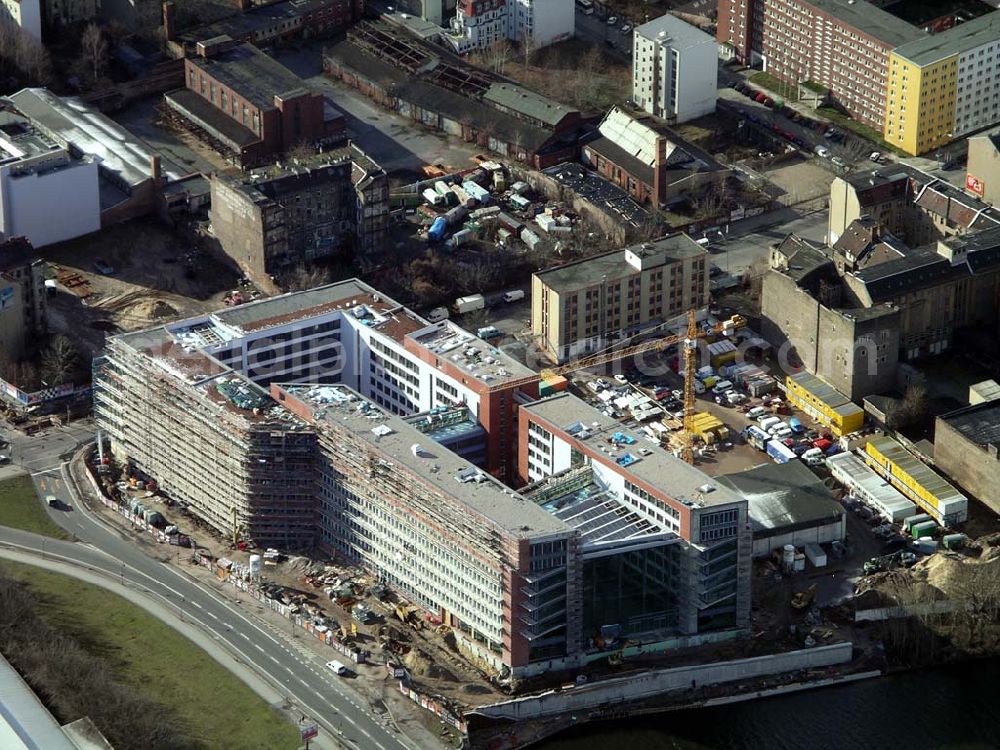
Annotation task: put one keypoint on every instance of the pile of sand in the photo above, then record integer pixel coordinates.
(152, 309)
(954, 573)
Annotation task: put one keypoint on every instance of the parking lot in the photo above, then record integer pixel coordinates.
(596, 28)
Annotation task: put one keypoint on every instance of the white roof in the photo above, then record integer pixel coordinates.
(637, 138)
(668, 29)
(71, 121)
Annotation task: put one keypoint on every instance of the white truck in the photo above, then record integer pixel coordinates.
(513, 295)
(470, 303)
(438, 314)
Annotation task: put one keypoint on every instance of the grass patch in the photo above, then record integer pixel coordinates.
(21, 508)
(869, 133)
(787, 91)
(212, 705)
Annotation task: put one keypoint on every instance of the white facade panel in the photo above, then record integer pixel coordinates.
(53, 206)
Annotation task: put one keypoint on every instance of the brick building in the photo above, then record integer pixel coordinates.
(275, 218)
(842, 45)
(249, 105)
(967, 448)
(648, 160)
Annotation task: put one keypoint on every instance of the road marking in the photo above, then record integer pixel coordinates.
(195, 604)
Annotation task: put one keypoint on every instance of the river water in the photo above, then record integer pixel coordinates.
(954, 707)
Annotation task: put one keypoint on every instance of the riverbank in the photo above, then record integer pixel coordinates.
(947, 707)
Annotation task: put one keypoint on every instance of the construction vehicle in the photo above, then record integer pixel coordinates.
(689, 341)
(802, 599)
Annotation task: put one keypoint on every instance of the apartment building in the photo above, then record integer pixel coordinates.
(684, 539)
(271, 219)
(674, 69)
(22, 298)
(842, 45)
(583, 306)
(248, 105)
(477, 24)
(944, 86)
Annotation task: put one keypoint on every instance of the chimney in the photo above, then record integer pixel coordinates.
(154, 166)
(169, 21)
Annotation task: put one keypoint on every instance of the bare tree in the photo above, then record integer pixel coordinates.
(911, 409)
(94, 50)
(495, 55)
(60, 361)
(304, 277)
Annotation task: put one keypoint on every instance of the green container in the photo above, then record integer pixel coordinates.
(922, 529)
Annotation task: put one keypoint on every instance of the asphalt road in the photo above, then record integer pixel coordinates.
(46, 449)
(299, 674)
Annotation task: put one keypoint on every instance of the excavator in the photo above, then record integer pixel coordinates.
(689, 341)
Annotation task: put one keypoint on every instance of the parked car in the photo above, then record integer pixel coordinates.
(837, 161)
(822, 152)
(621, 378)
(626, 29)
(613, 21)
(760, 98)
(876, 157)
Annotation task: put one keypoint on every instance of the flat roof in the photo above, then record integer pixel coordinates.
(660, 468)
(679, 34)
(469, 353)
(877, 488)
(257, 18)
(603, 194)
(254, 75)
(784, 495)
(69, 120)
(612, 266)
(926, 477)
(953, 41)
(871, 20)
(979, 423)
(437, 466)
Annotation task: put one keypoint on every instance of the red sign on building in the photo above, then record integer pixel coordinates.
(974, 185)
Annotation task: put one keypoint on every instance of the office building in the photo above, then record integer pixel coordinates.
(966, 445)
(674, 69)
(944, 86)
(582, 306)
(345, 333)
(438, 530)
(249, 106)
(22, 298)
(665, 550)
(272, 219)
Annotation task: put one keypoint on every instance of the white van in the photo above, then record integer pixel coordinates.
(766, 423)
(337, 667)
(438, 314)
(813, 457)
(722, 387)
(699, 387)
(757, 412)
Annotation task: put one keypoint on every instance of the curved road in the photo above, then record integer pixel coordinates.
(302, 676)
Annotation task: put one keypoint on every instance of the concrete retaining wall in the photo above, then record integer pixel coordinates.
(650, 684)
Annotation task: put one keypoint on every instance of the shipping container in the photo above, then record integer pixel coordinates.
(922, 529)
(953, 541)
(815, 554)
(910, 521)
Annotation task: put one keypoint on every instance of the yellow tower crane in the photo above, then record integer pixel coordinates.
(689, 340)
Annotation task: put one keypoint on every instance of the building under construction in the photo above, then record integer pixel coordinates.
(213, 440)
(186, 403)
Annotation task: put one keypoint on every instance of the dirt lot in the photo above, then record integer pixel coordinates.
(149, 284)
(801, 180)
